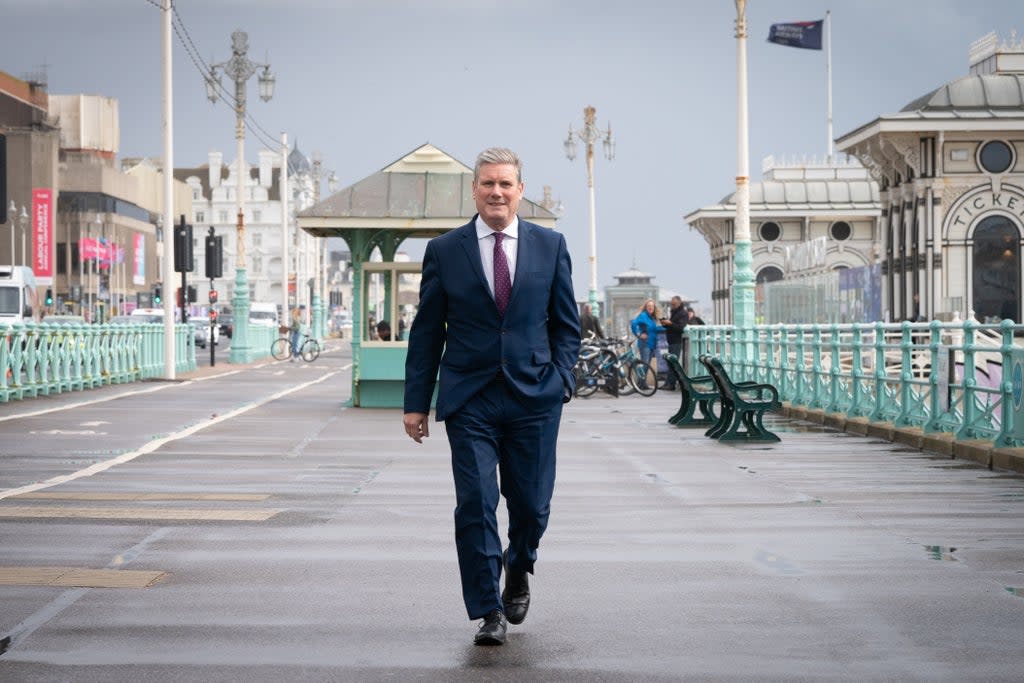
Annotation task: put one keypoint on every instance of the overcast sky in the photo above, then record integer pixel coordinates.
(364, 82)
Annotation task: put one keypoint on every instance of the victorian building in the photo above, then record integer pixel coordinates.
(213, 189)
(951, 174)
(805, 219)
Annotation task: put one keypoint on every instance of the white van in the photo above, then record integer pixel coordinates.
(262, 313)
(17, 294)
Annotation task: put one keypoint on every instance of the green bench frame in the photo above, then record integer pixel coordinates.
(695, 392)
(743, 406)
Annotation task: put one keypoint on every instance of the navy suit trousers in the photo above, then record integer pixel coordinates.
(497, 433)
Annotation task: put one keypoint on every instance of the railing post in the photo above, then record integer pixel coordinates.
(1006, 423)
(970, 411)
(836, 369)
(785, 391)
(877, 415)
(936, 408)
(906, 375)
(857, 397)
(816, 368)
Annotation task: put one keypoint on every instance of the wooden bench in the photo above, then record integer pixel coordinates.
(695, 392)
(743, 406)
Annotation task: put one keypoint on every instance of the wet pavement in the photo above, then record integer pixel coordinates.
(243, 524)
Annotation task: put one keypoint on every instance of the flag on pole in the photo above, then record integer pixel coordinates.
(805, 34)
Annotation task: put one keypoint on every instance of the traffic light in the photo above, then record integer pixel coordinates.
(191, 291)
(157, 295)
(49, 297)
(214, 255)
(184, 261)
(213, 296)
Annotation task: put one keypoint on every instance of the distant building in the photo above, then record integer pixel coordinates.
(950, 166)
(213, 188)
(92, 236)
(796, 206)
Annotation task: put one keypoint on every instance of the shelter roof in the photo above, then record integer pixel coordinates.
(426, 188)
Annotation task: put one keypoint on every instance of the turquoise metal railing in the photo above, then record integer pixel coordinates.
(38, 359)
(941, 377)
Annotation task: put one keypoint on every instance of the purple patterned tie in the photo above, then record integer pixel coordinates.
(502, 280)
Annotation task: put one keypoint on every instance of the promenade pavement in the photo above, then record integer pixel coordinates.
(243, 524)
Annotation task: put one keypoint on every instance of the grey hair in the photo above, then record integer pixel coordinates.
(498, 155)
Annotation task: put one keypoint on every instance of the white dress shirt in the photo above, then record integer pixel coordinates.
(485, 238)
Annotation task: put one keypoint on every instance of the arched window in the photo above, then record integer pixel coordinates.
(996, 261)
(768, 274)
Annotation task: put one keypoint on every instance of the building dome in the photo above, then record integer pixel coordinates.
(297, 161)
(990, 91)
(634, 277)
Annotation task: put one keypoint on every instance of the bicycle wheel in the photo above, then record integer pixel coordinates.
(643, 377)
(281, 349)
(310, 350)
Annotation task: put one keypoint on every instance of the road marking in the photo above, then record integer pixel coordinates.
(55, 432)
(94, 423)
(163, 514)
(158, 443)
(137, 497)
(78, 577)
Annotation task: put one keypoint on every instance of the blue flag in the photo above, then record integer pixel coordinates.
(805, 34)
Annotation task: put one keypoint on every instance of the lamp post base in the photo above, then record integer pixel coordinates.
(241, 352)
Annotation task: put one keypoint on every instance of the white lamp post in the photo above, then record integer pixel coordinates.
(23, 222)
(240, 69)
(12, 214)
(743, 273)
(589, 134)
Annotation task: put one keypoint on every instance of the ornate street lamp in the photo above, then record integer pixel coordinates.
(589, 134)
(743, 273)
(240, 69)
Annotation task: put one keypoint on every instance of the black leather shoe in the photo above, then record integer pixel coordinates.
(492, 630)
(516, 596)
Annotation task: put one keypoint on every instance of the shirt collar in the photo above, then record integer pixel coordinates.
(483, 230)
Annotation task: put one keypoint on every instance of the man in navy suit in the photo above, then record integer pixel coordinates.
(497, 316)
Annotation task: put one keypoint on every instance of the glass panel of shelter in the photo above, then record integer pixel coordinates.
(390, 296)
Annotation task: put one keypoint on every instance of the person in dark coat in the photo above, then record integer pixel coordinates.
(674, 326)
(590, 326)
(497, 333)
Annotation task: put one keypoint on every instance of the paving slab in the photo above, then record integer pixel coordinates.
(669, 556)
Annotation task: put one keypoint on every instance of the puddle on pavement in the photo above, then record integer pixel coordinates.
(905, 450)
(798, 427)
(941, 553)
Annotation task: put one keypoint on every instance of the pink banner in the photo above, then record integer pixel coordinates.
(101, 250)
(42, 234)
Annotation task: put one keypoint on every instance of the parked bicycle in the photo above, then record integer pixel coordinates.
(309, 348)
(611, 364)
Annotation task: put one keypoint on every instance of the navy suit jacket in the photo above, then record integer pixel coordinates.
(458, 330)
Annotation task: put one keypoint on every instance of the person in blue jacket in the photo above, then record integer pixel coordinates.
(645, 328)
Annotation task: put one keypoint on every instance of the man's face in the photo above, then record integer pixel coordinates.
(497, 193)
(675, 303)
